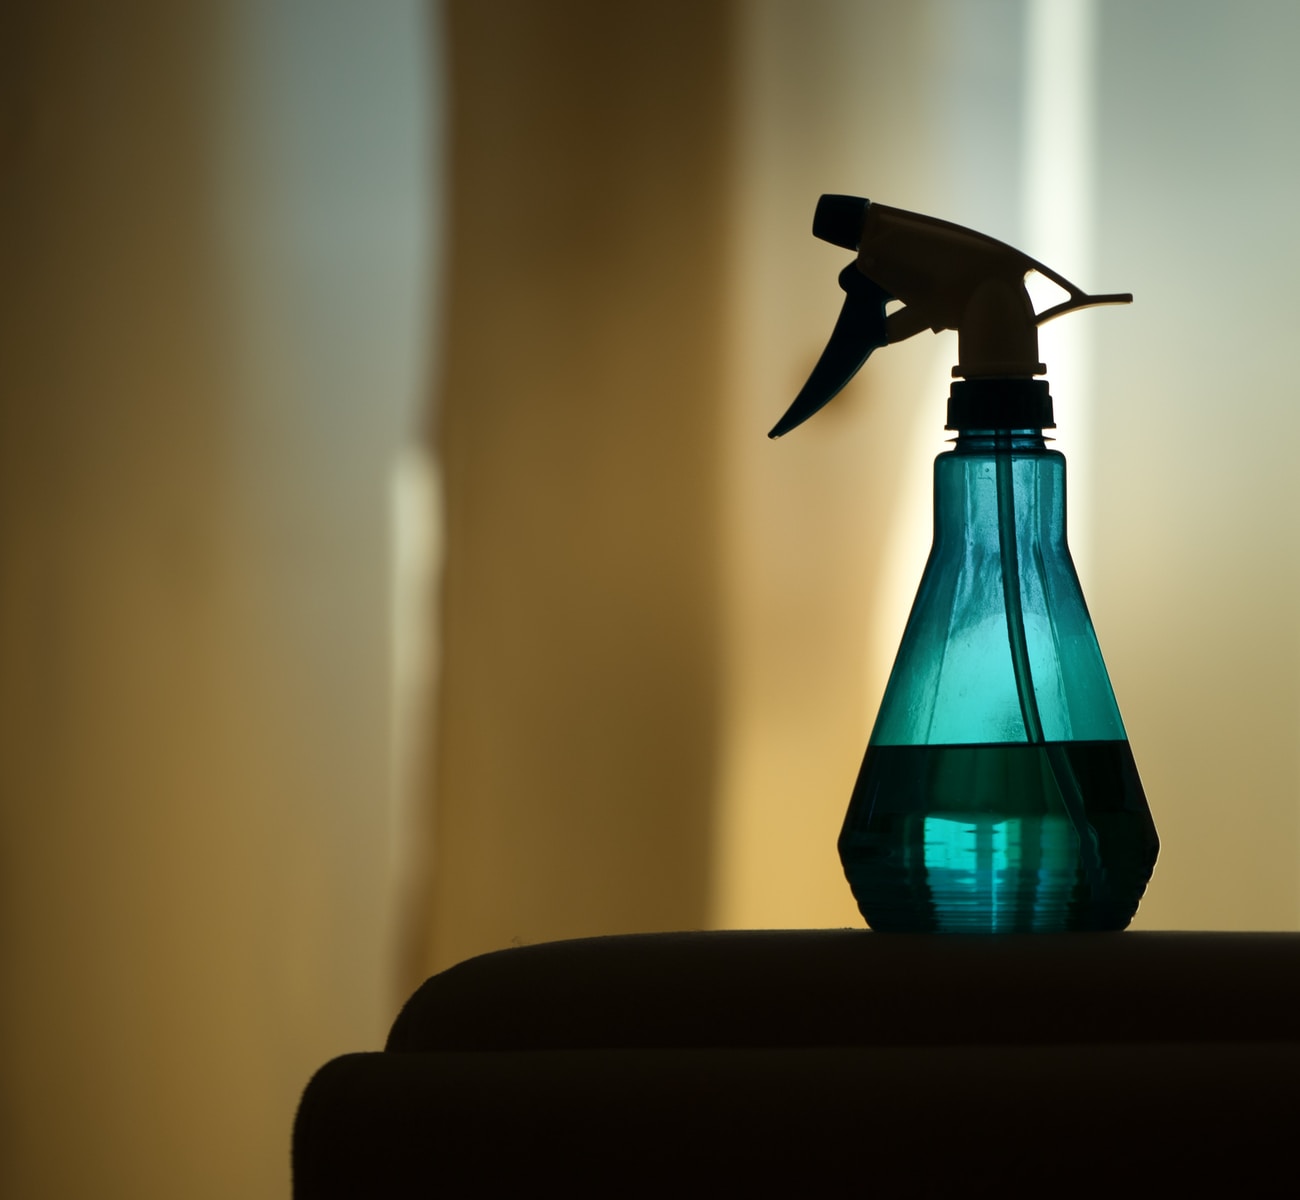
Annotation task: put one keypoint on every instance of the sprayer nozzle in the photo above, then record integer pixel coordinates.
(838, 220)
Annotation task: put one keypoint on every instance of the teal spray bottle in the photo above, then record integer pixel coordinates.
(998, 793)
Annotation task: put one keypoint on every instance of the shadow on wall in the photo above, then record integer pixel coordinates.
(579, 430)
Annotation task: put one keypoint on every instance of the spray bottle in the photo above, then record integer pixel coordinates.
(998, 792)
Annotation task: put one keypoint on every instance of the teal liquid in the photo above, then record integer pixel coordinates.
(998, 838)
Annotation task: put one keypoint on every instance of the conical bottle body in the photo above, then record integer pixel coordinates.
(998, 792)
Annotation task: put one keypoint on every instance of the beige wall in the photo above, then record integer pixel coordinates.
(211, 277)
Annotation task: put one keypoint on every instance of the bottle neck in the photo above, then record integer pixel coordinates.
(999, 441)
(996, 480)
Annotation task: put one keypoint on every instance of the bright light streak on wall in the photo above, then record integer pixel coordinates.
(416, 533)
(1058, 221)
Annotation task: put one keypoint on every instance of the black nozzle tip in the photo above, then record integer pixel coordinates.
(838, 220)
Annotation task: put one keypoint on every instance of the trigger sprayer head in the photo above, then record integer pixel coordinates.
(946, 277)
